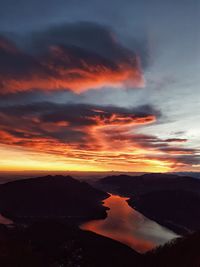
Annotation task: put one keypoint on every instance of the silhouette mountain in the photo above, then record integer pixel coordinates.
(137, 185)
(177, 210)
(55, 244)
(51, 197)
(183, 252)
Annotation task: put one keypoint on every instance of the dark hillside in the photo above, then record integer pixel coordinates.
(51, 197)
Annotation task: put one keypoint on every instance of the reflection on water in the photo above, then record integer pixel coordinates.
(5, 221)
(128, 226)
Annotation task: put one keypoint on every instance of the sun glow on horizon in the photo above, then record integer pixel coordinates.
(20, 160)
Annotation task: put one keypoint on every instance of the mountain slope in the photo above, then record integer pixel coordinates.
(137, 185)
(51, 197)
(183, 252)
(177, 210)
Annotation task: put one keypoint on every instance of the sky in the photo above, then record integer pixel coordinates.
(100, 85)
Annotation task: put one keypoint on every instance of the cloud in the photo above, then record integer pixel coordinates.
(75, 57)
(103, 134)
(68, 122)
(176, 140)
(40, 126)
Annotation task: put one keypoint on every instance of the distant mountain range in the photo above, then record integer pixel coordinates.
(137, 185)
(8, 176)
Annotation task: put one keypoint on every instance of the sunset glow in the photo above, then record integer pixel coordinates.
(103, 139)
(86, 96)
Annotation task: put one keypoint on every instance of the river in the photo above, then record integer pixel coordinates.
(5, 221)
(128, 226)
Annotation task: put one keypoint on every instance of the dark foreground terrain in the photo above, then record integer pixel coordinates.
(54, 244)
(48, 210)
(183, 252)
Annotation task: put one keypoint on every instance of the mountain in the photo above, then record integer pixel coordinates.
(183, 252)
(190, 174)
(51, 197)
(53, 244)
(171, 200)
(137, 185)
(177, 210)
(54, 205)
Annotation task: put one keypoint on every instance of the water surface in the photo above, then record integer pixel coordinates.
(5, 221)
(128, 226)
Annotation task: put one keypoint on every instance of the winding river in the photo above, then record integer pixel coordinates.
(128, 226)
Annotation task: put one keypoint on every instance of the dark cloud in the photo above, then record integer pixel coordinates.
(176, 140)
(80, 130)
(73, 57)
(78, 114)
(92, 37)
(164, 145)
(71, 123)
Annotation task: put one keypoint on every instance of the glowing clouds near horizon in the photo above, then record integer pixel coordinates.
(88, 137)
(68, 60)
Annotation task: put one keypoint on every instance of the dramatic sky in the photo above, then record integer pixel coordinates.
(100, 85)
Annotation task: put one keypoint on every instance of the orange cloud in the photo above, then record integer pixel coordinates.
(95, 136)
(66, 68)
